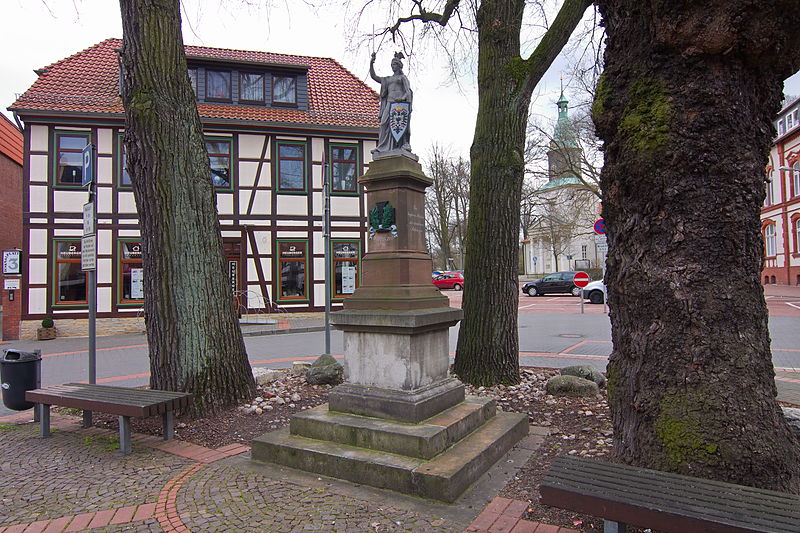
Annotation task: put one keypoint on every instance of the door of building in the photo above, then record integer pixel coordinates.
(233, 265)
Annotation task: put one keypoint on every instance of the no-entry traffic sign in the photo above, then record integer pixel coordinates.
(581, 279)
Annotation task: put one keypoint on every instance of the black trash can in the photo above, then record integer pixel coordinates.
(19, 372)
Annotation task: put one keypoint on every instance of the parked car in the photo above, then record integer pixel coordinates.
(559, 282)
(595, 292)
(449, 280)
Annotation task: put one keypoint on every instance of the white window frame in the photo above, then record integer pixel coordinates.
(770, 244)
(796, 178)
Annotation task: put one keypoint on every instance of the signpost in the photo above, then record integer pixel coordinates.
(581, 280)
(89, 263)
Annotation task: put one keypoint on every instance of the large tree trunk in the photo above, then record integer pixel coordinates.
(195, 341)
(488, 343)
(488, 340)
(685, 108)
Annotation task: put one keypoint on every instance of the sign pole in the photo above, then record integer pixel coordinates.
(326, 234)
(89, 263)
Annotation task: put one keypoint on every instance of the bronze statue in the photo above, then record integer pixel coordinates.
(395, 113)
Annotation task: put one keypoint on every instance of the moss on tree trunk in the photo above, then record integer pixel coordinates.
(685, 108)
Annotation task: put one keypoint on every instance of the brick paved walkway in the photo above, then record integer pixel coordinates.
(77, 480)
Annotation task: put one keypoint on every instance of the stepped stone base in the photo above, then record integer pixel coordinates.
(438, 458)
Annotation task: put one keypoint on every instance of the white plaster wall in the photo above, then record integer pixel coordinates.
(231, 234)
(266, 266)
(37, 270)
(225, 204)
(319, 294)
(317, 148)
(104, 243)
(316, 176)
(318, 242)
(39, 138)
(105, 167)
(38, 166)
(344, 206)
(104, 200)
(252, 274)
(128, 233)
(317, 202)
(262, 203)
(247, 173)
(37, 241)
(244, 201)
(263, 241)
(103, 270)
(69, 201)
(103, 299)
(104, 141)
(127, 204)
(38, 199)
(319, 269)
(37, 300)
(292, 205)
(265, 178)
(292, 234)
(250, 145)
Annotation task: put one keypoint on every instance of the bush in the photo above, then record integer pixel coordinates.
(48, 323)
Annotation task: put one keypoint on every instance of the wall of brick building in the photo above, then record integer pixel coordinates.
(10, 237)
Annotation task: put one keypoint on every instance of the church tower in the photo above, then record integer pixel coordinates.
(564, 155)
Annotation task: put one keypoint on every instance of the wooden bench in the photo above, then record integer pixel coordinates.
(625, 495)
(121, 401)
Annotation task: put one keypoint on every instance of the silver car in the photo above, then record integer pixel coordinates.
(595, 292)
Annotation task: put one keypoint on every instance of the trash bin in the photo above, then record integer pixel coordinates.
(19, 372)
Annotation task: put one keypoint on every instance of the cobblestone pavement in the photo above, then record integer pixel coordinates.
(77, 480)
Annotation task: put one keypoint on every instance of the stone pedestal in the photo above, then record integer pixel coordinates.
(398, 421)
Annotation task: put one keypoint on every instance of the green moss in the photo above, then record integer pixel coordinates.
(107, 442)
(601, 94)
(612, 381)
(518, 69)
(645, 121)
(6, 426)
(681, 430)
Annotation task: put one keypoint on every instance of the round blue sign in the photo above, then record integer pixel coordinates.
(600, 226)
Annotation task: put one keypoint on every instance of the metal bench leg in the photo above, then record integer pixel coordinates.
(609, 526)
(87, 418)
(169, 426)
(125, 434)
(44, 419)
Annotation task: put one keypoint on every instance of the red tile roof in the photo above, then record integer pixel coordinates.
(10, 139)
(87, 82)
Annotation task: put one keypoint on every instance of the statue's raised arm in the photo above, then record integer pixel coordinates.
(395, 113)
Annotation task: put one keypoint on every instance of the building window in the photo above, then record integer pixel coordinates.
(291, 168)
(219, 155)
(131, 273)
(344, 162)
(292, 262)
(251, 87)
(344, 255)
(193, 80)
(69, 158)
(796, 178)
(218, 85)
(284, 90)
(70, 280)
(781, 128)
(584, 251)
(797, 235)
(768, 186)
(770, 245)
(789, 122)
(124, 177)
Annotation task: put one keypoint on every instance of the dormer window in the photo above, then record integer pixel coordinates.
(284, 90)
(251, 87)
(218, 85)
(193, 79)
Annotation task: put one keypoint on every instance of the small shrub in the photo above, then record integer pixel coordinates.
(48, 323)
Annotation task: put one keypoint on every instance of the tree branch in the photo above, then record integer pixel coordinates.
(427, 16)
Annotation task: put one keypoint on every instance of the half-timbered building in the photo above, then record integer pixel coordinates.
(275, 126)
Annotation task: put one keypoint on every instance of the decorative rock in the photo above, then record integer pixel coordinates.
(280, 401)
(571, 386)
(792, 416)
(300, 367)
(295, 397)
(325, 371)
(264, 376)
(268, 408)
(259, 410)
(585, 372)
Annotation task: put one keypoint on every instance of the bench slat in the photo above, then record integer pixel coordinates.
(642, 482)
(113, 400)
(685, 497)
(665, 501)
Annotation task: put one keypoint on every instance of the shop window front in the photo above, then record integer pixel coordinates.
(68, 158)
(131, 283)
(345, 256)
(344, 163)
(70, 280)
(292, 269)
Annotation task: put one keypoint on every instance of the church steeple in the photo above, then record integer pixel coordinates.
(564, 154)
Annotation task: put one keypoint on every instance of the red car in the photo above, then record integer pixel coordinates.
(449, 280)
